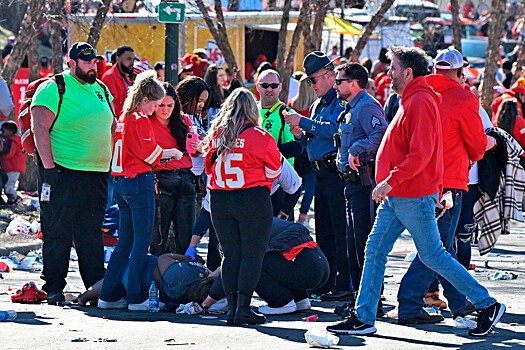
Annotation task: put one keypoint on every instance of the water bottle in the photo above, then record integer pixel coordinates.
(9, 315)
(153, 298)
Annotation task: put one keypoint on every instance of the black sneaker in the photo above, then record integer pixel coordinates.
(55, 298)
(338, 295)
(467, 310)
(352, 326)
(424, 318)
(487, 320)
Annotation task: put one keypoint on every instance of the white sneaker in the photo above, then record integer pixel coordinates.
(119, 304)
(303, 304)
(286, 309)
(144, 306)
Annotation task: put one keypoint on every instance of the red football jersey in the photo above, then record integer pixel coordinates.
(135, 150)
(166, 140)
(383, 89)
(255, 161)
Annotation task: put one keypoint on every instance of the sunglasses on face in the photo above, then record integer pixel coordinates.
(267, 85)
(339, 81)
(314, 80)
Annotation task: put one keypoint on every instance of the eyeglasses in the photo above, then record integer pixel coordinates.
(314, 80)
(267, 85)
(339, 81)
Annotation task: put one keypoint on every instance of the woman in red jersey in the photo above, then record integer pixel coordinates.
(241, 160)
(175, 179)
(135, 154)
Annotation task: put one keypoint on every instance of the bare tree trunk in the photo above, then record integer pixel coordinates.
(519, 63)
(456, 25)
(286, 71)
(28, 180)
(497, 24)
(374, 21)
(281, 43)
(28, 31)
(33, 59)
(56, 14)
(98, 22)
(219, 32)
(320, 8)
(307, 30)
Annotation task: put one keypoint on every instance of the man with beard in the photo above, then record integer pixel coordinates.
(361, 128)
(73, 156)
(409, 176)
(272, 112)
(118, 78)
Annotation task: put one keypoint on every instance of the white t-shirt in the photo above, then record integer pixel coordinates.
(473, 173)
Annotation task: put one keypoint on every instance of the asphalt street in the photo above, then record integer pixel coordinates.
(53, 327)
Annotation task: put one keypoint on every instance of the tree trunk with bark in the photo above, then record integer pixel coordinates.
(219, 32)
(320, 9)
(307, 30)
(98, 22)
(33, 59)
(283, 31)
(28, 31)
(286, 71)
(456, 25)
(57, 17)
(374, 21)
(28, 180)
(497, 25)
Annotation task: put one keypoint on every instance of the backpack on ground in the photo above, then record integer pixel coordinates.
(24, 114)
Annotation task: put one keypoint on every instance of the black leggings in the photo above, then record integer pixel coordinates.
(243, 221)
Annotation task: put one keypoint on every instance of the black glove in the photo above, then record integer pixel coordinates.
(51, 176)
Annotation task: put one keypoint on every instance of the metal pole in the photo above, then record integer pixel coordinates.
(172, 53)
(342, 37)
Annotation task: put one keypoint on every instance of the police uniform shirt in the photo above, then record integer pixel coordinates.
(361, 126)
(322, 125)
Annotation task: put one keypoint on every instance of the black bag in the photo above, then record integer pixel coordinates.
(302, 164)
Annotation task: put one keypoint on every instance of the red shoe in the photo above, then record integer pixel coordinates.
(29, 294)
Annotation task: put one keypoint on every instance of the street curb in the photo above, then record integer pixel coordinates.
(22, 248)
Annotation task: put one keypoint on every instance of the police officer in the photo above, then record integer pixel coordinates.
(330, 222)
(361, 128)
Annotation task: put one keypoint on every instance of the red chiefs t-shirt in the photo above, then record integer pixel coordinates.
(166, 140)
(383, 89)
(135, 150)
(255, 161)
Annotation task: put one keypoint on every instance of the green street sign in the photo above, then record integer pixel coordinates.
(172, 12)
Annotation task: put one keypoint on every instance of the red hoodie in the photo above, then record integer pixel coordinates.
(464, 138)
(410, 157)
(11, 157)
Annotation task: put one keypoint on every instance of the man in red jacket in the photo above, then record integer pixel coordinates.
(409, 175)
(12, 159)
(464, 142)
(118, 78)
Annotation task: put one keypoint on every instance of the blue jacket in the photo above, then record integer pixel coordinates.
(322, 125)
(362, 126)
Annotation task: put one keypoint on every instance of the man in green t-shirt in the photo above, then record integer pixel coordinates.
(73, 154)
(272, 112)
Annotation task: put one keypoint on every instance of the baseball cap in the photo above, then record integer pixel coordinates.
(448, 59)
(83, 51)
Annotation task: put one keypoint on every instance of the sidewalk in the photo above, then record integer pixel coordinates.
(51, 327)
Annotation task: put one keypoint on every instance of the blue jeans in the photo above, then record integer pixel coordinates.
(136, 200)
(467, 225)
(417, 215)
(358, 226)
(419, 277)
(309, 189)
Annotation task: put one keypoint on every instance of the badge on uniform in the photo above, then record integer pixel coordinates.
(375, 121)
(348, 117)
